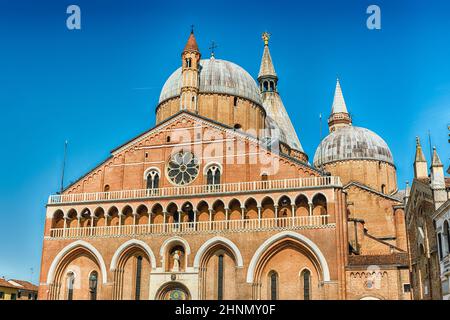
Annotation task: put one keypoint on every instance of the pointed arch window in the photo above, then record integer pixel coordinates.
(306, 282)
(273, 285)
(153, 179)
(70, 285)
(137, 295)
(93, 281)
(188, 63)
(220, 278)
(213, 175)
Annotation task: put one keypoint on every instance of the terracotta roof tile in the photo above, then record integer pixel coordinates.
(191, 44)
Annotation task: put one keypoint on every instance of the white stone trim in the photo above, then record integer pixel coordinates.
(205, 246)
(287, 234)
(68, 248)
(129, 243)
(175, 239)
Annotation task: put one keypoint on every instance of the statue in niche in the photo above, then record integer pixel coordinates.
(176, 261)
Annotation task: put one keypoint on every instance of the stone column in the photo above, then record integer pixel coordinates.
(259, 216)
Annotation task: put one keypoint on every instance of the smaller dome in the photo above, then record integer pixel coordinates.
(350, 143)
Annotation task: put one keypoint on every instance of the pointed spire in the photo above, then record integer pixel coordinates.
(420, 163)
(339, 105)
(191, 44)
(339, 115)
(419, 153)
(267, 69)
(436, 162)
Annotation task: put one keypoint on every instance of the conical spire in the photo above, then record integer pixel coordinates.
(420, 163)
(339, 105)
(419, 153)
(267, 69)
(339, 115)
(436, 162)
(191, 44)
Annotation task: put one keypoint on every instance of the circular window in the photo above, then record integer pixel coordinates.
(182, 168)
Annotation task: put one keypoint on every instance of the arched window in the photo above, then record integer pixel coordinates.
(70, 284)
(273, 284)
(137, 295)
(153, 179)
(383, 188)
(220, 278)
(213, 175)
(106, 188)
(306, 284)
(235, 101)
(441, 250)
(188, 63)
(93, 281)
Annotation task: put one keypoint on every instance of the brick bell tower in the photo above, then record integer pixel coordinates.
(190, 74)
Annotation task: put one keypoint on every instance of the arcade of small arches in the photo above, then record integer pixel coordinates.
(79, 271)
(190, 212)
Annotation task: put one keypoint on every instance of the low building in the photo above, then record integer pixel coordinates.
(17, 290)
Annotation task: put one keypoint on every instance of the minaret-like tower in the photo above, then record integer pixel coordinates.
(438, 180)
(339, 115)
(268, 82)
(420, 163)
(190, 75)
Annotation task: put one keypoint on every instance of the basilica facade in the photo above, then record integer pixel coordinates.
(219, 201)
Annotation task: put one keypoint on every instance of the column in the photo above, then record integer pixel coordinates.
(259, 216)
(195, 218)
(180, 217)
(210, 218)
(226, 217)
(293, 214)
(310, 208)
(120, 223)
(134, 222)
(65, 226)
(92, 224)
(164, 221)
(242, 217)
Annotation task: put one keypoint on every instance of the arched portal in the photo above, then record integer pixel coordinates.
(173, 291)
(271, 258)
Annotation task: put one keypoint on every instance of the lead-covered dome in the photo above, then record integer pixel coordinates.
(216, 76)
(352, 143)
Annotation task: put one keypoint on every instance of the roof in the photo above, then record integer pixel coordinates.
(25, 285)
(191, 44)
(6, 284)
(352, 143)
(267, 69)
(277, 113)
(339, 105)
(216, 76)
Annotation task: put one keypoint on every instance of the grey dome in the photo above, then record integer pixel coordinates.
(216, 76)
(352, 143)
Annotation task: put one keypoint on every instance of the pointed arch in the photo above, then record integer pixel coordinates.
(74, 245)
(227, 242)
(286, 235)
(128, 244)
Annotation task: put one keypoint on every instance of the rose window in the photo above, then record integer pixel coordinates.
(182, 168)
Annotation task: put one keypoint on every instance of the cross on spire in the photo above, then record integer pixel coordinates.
(192, 28)
(213, 47)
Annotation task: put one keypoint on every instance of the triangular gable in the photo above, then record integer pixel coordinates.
(162, 126)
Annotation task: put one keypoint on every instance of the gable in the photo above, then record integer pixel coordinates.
(242, 157)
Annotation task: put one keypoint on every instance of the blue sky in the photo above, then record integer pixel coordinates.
(98, 87)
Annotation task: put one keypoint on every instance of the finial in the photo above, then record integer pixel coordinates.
(192, 28)
(266, 37)
(417, 141)
(213, 48)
